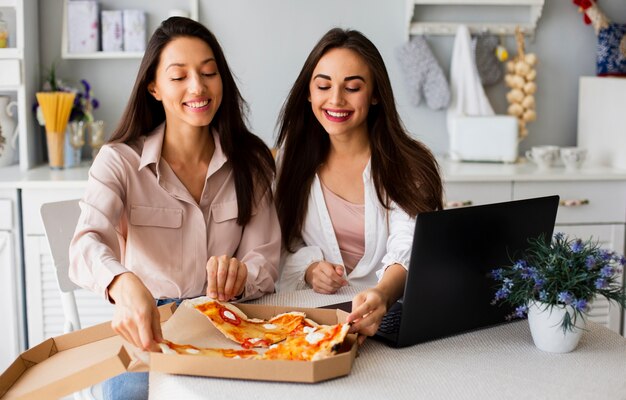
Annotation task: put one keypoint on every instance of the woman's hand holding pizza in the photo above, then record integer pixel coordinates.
(226, 277)
(369, 306)
(325, 277)
(368, 309)
(136, 317)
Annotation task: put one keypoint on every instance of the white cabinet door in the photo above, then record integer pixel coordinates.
(9, 310)
(460, 194)
(610, 237)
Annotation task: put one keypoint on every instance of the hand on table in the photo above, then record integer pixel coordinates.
(325, 277)
(368, 309)
(226, 277)
(136, 317)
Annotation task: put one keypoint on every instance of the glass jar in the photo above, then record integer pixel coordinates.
(4, 33)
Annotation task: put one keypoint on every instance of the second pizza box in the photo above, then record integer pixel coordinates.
(65, 364)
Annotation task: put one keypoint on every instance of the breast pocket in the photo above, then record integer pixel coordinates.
(225, 233)
(155, 237)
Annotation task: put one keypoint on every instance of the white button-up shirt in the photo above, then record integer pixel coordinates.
(388, 240)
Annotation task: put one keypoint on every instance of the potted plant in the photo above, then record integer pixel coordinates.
(554, 282)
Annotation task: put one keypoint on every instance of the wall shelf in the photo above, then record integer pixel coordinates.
(100, 55)
(449, 28)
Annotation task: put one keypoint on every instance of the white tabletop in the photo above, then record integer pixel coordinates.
(495, 363)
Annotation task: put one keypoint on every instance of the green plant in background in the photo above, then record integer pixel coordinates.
(563, 272)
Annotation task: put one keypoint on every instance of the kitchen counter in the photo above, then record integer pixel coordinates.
(44, 177)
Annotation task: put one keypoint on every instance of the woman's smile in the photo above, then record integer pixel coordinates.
(337, 115)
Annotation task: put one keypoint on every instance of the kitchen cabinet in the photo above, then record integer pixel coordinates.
(12, 327)
(593, 205)
(20, 76)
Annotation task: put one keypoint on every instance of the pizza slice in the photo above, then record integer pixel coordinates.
(168, 347)
(313, 343)
(249, 332)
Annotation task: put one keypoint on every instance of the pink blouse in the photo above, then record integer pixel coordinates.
(348, 221)
(137, 216)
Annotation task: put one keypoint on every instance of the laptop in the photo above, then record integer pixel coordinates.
(448, 287)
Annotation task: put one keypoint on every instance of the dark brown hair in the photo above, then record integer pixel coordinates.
(251, 160)
(403, 169)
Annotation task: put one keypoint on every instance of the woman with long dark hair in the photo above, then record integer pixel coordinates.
(178, 203)
(351, 180)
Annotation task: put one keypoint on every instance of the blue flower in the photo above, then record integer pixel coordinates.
(520, 264)
(607, 271)
(565, 298)
(559, 236)
(521, 311)
(581, 305)
(601, 283)
(590, 262)
(497, 274)
(577, 245)
(502, 293)
(543, 295)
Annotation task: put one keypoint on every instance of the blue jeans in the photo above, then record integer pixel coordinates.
(131, 385)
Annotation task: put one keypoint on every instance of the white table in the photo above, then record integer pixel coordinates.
(495, 363)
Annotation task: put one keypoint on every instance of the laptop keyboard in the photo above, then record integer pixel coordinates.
(391, 321)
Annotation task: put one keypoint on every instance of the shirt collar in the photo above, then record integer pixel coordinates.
(153, 143)
(219, 158)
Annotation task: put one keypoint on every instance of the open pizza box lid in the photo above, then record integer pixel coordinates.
(65, 364)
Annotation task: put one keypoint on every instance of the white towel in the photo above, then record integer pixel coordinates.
(468, 95)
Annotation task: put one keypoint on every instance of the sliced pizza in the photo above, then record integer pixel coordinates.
(249, 332)
(168, 347)
(313, 343)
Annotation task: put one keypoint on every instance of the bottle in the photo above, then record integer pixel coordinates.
(4, 33)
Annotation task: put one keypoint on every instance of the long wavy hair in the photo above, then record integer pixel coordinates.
(251, 160)
(403, 169)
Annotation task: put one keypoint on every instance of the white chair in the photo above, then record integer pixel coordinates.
(59, 221)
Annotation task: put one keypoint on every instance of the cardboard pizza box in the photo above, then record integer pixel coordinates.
(188, 326)
(65, 364)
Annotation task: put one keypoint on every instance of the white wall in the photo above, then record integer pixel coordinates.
(266, 42)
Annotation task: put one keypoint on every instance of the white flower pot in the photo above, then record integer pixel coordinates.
(545, 327)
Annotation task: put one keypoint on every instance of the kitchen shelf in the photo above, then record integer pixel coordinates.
(10, 53)
(100, 55)
(450, 28)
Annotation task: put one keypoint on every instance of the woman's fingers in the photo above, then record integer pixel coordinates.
(226, 277)
(211, 275)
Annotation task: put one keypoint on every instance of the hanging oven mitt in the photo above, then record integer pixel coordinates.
(423, 74)
(487, 63)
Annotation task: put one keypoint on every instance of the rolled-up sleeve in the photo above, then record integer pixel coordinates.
(98, 243)
(400, 240)
(294, 266)
(259, 249)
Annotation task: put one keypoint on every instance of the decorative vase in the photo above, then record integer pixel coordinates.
(545, 327)
(8, 132)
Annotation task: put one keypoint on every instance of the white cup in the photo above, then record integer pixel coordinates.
(543, 156)
(573, 157)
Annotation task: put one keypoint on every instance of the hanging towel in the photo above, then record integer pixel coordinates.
(468, 95)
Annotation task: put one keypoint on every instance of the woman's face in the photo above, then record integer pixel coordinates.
(340, 92)
(187, 82)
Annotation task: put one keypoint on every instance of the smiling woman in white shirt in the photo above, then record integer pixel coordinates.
(350, 179)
